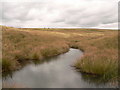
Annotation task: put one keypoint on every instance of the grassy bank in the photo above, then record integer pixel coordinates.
(20, 46)
(100, 57)
(100, 48)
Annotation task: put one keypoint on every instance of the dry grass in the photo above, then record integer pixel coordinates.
(19, 46)
(99, 46)
(101, 55)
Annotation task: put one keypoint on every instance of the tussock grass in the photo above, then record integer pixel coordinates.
(100, 48)
(101, 56)
(19, 46)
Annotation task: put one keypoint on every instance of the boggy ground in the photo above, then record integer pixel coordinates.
(100, 48)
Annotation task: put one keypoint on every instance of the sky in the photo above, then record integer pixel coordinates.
(59, 13)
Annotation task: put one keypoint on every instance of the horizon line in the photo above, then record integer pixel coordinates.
(63, 27)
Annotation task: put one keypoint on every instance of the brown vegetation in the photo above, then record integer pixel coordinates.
(100, 48)
(19, 46)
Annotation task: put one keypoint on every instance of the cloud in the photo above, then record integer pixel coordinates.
(60, 13)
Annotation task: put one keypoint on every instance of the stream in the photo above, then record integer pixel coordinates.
(55, 72)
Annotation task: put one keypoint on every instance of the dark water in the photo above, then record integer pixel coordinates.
(56, 72)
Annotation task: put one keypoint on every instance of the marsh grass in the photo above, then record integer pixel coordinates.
(101, 57)
(19, 46)
(100, 48)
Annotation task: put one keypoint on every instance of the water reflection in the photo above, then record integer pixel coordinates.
(54, 72)
(93, 79)
(9, 74)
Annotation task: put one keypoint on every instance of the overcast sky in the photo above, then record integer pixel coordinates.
(60, 13)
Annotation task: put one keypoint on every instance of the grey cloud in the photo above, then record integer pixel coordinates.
(13, 11)
(58, 13)
(59, 20)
